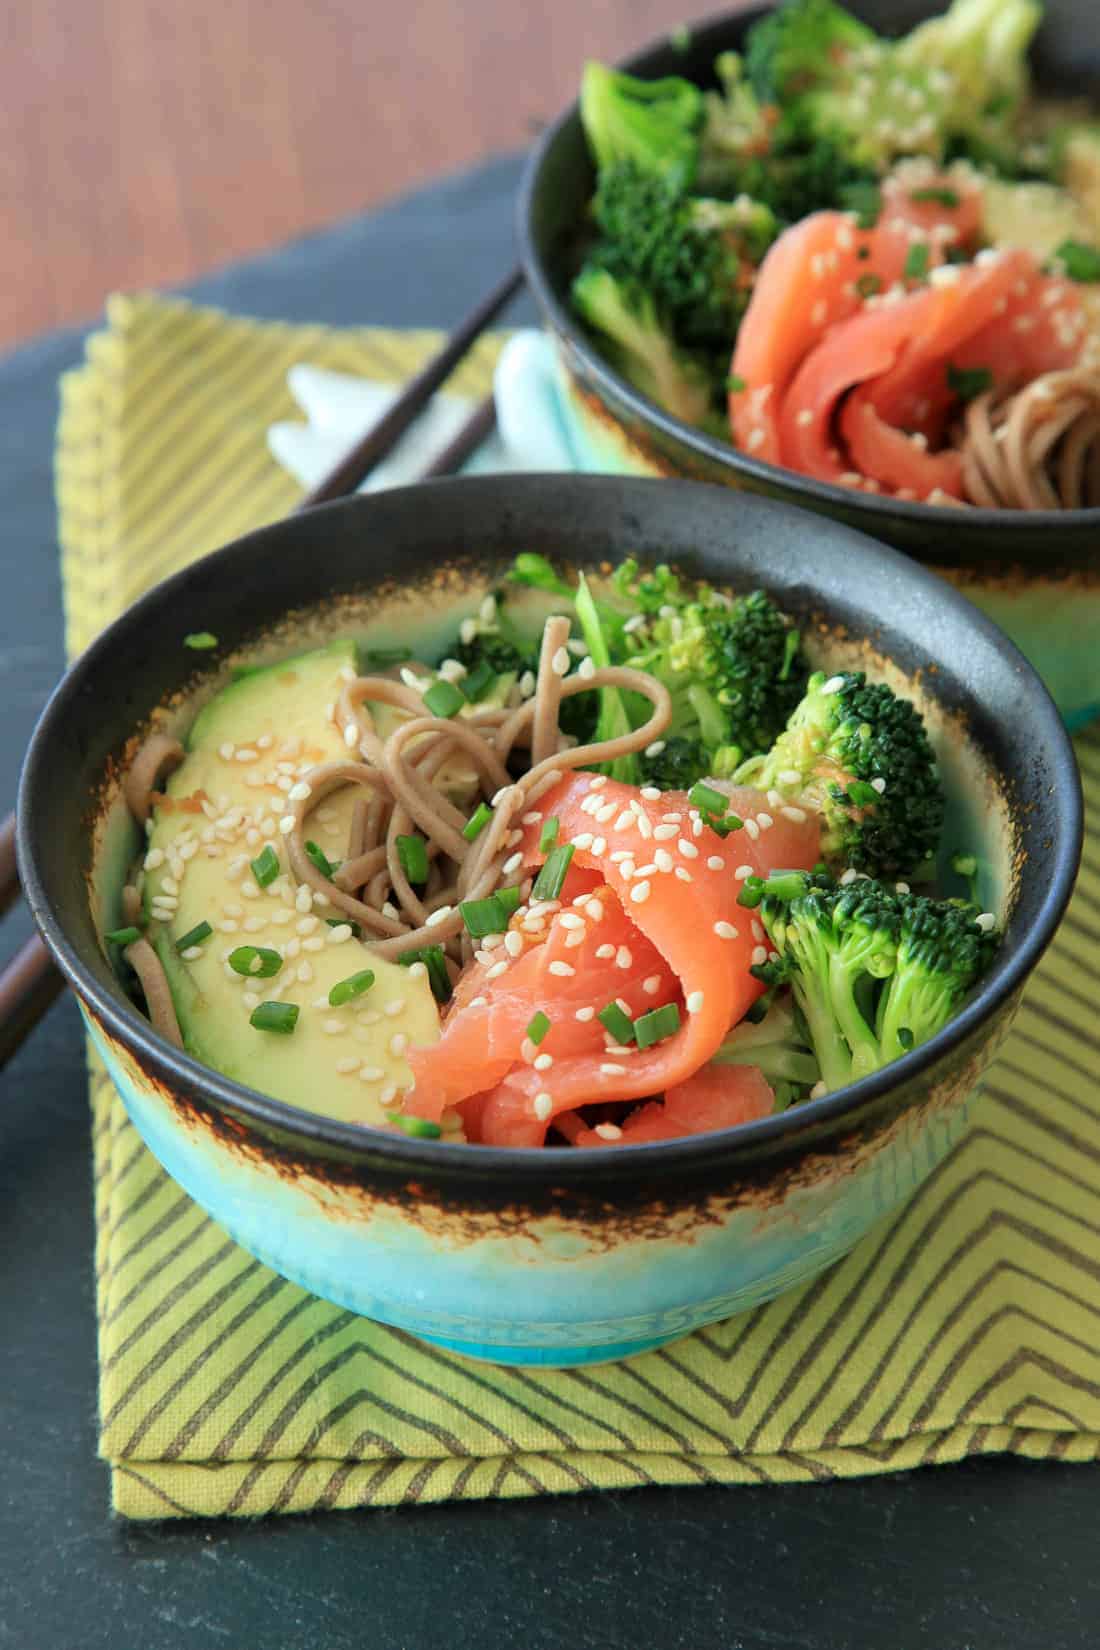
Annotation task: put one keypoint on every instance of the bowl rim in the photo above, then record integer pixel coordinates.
(770, 1136)
(963, 520)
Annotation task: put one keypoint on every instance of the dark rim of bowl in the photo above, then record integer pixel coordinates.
(526, 1166)
(1013, 524)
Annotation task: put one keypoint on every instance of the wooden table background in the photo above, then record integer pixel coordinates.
(143, 142)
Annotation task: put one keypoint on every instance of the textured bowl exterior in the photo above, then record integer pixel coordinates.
(1036, 575)
(556, 1256)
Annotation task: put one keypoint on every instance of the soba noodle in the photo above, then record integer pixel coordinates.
(1038, 449)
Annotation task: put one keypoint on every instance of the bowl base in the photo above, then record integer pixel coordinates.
(551, 1357)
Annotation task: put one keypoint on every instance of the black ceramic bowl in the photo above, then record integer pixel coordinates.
(1037, 574)
(561, 1255)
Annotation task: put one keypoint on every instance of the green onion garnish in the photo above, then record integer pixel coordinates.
(862, 794)
(548, 883)
(444, 698)
(1080, 261)
(508, 897)
(438, 978)
(735, 383)
(661, 1022)
(317, 855)
(346, 922)
(477, 682)
(905, 1037)
(868, 285)
(200, 640)
(477, 822)
(256, 961)
(413, 854)
(752, 892)
(354, 986)
(728, 822)
(620, 1025)
(280, 1017)
(967, 382)
(419, 1127)
(549, 834)
(265, 868)
(916, 262)
(706, 798)
(538, 1026)
(942, 197)
(123, 936)
(864, 199)
(194, 936)
(484, 916)
(383, 657)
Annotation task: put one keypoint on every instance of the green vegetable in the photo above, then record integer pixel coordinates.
(354, 986)
(200, 640)
(942, 197)
(735, 383)
(639, 344)
(916, 262)
(613, 719)
(867, 285)
(966, 866)
(654, 124)
(776, 1042)
(345, 922)
(508, 899)
(265, 868)
(873, 972)
(620, 1025)
(477, 822)
(434, 961)
(278, 1017)
(444, 698)
(484, 916)
(194, 936)
(320, 859)
(384, 658)
(707, 800)
(419, 1127)
(847, 730)
(548, 883)
(967, 382)
(659, 1023)
(549, 834)
(1080, 262)
(122, 936)
(256, 961)
(478, 682)
(537, 1027)
(413, 854)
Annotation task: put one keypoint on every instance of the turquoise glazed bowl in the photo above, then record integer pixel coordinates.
(1036, 574)
(558, 1256)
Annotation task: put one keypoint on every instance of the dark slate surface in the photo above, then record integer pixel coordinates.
(985, 1556)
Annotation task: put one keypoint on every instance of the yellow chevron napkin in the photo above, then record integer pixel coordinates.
(968, 1324)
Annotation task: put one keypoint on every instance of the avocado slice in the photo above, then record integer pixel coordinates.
(1037, 216)
(246, 748)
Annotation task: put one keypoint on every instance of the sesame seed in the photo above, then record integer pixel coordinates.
(688, 849)
(610, 1069)
(609, 1131)
(759, 955)
(154, 859)
(757, 929)
(715, 862)
(389, 1094)
(819, 312)
(624, 957)
(397, 1006)
(765, 821)
(347, 1065)
(286, 824)
(655, 749)
(849, 876)
(477, 1002)
(604, 815)
(693, 1002)
(640, 893)
(878, 785)
(299, 792)
(398, 1043)
(543, 1062)
(570, 919)
(804, 417)
(585, 1014)
(512, 863)
(331, 1027)
(497, 970)
(227, 927)
(683, 874)
(603, 952)
(665, 833)
(583, 841)
(833, 685)
(316, 944)
(648, 870)
(337, 935)
(599, 845)
(627, 869)
(651, 793)
(586, 668)
(754, 439)
(513, 943)
(797, 816)
(559, 664)
(543, 1106)
(192, 954)
(304, 925)
(725, 930)
(753, 829)
(986, 921)
(434, 917)
(901, 887)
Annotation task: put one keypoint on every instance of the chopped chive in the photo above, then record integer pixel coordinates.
(868, 284)
(265, 868)
(905, 1037)
(752, 892)
(538, 1026)
(735, 383)
(354, 986)
(508, 898)
(438, 978)
(659, 1023)
(477, 822)
(200, 640)
(319, 858)
(862, 794)
(942, 197)
(280, 1017)
(484, 916)
(967, 382)
(123, 936)
(194, 936)
(255, 960)
(346, 922)
(477, 682)
(382, 657)
(413, 854)
(549, 834)
(444, 698)
(1080, 261)
(419, 1127)
(728, 822)
(916, 262)
(620, 1025)
(706, 798)
(864, 199)
(548, 883)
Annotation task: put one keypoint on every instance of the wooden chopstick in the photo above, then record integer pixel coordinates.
(30, 981)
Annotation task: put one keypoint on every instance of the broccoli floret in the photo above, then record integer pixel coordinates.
(653, 123)
(676, 766)
(640, 346)
(778, 1044)
(794, 45)
(734, 669)
(858, 755)
(874, 972)
(975, 54)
